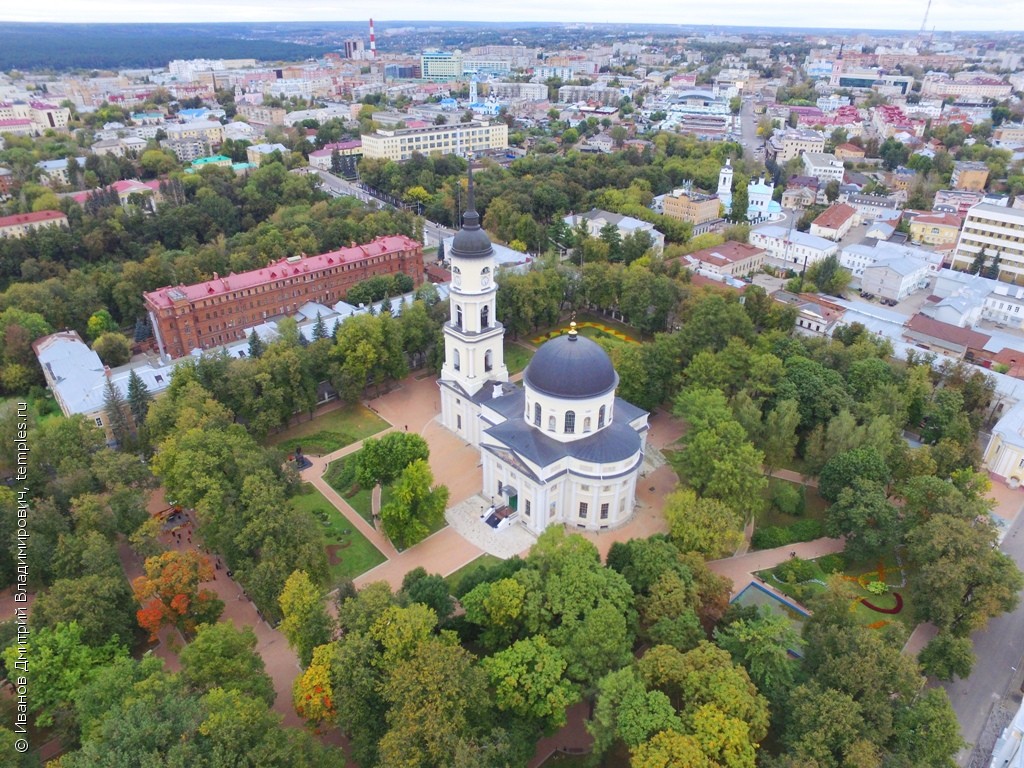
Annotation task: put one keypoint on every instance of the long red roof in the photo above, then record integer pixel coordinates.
(277, 270)
(31, 218)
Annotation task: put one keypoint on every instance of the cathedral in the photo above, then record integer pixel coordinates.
(561, 449)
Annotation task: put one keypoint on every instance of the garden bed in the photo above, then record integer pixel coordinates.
(349, 552)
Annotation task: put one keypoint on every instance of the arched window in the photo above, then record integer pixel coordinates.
(455, 359)
(586, 424)
(536, 414)
(551, 423)
(485, 317)
(600, 418)
(488, 357)
(458, 316)
(570, 422)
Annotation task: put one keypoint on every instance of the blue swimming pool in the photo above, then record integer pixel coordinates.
(756, 595)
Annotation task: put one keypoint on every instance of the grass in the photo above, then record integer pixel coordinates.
(331, 431)
(357, 555)
(361, 501)
(517, 357)
(484, 561)
(814, 507)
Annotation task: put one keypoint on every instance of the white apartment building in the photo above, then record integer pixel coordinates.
(857, 257)
(824, 166)
(205, 130)
(527, 91)
(994, 232)
(791, 249)
(441, 65)
(42, 116)
(400, 143)
(895, 278)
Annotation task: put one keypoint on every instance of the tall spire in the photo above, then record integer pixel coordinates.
(470, 219)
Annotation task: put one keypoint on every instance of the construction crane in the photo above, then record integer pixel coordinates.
(924, 21)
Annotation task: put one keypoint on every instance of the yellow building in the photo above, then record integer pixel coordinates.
(22, 224)
(691, 206)
(937, 229)
(400, 143)
(969, 175)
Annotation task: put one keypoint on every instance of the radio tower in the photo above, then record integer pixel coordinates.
(373, 39)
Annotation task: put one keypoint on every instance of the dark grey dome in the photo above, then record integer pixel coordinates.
(471, 242)
(571, 366)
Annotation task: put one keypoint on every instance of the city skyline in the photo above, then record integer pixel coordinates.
(945, 15)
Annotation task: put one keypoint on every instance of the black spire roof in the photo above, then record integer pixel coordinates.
(471, 242)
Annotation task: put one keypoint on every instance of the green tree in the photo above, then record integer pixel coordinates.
(962, 577)
(383, 460)
(100, 322)
(625, 710)
(139, 398)
(416, 507)
(116, 410)
(668, 749)
(256, 345)
(306, 622)
(61, 665)
(842, 470)
(223, 656)
(429, 589)
(101, 606)
(864, 515)
(708, 526)
(947, 656)
(762, 645)
(113, 349)
(527, 679)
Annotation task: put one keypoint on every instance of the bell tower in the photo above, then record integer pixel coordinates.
(473, 338)
(725, 185)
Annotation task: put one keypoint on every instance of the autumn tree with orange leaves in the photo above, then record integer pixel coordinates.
(170, 593)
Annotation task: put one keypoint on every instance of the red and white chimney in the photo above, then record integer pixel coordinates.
(373, 42)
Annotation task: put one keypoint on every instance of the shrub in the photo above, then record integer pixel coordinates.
(805, 530)
(770, 537)
(795, 570)
(787, 498)
(832, 563)
(877, 587)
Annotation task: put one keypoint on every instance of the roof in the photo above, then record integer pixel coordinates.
(835, 216)
(945, 219)
(901, 265)
(964, 337)
(728, 252)
(795, 236)
(615, 442)
(571, 366)
(167, 296)
(31, 218)
(853, 148)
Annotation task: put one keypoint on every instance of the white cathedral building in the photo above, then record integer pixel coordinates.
(561, 449)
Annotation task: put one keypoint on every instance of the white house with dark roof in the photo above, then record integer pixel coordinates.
(789, 248)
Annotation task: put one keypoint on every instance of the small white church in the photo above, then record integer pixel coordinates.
(561, 449)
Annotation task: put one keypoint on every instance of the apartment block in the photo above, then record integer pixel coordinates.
(400, 143)
(824, 166)
(785, 145)
(691, 206)
(261, 115)
(969, 175)
(991, 232)
(22, 224)
(441, 65)
(218, 311)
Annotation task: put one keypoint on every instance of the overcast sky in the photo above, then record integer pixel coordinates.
(876, 14)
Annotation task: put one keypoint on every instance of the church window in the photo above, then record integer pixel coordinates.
(455, 359)
(458, 316)
(583, 510)
(536, 414)
(488, 360)
(485, 317)
(570, 422)
(551, 423)
(526, 509)
(586, 424)
(604, 511)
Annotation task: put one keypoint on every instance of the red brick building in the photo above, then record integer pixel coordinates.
(204, 315)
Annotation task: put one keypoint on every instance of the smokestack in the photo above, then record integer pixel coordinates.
(373, 42)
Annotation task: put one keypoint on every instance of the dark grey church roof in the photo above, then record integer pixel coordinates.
(509, 405)
(571, 366)
(616, 442)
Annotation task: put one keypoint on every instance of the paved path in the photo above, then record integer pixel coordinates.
(740, 570)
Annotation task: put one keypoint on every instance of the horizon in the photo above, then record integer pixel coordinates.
(943, 16)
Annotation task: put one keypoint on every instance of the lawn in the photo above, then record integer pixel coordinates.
(484, 561)
(331, 431)
(349, 553)
(517, 357)
(361, 500)
(857, 576)
(814, 506)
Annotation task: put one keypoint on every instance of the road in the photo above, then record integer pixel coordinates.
(748, 130)
(999, 649)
